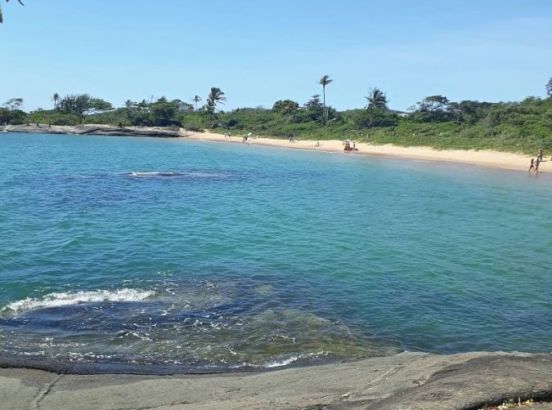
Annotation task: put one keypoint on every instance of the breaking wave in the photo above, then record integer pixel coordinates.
(67, 298)
(155, 174)
(158, 174)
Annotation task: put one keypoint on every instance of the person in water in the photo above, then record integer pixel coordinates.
(532, 166)
(537, 163)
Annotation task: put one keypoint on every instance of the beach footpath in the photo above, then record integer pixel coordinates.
(404, 381)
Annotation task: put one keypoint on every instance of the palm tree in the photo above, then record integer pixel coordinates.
(376, 99)
(196, 100)
(1, 18)
(324, 81)
(215, 96)
(56, 100)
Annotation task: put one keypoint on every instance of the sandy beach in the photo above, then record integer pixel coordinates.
(484, 158)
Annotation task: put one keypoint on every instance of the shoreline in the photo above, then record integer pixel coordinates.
(481, 158)
(406, 380)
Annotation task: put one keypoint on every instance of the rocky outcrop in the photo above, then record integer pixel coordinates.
(96, 129)
(405, 381)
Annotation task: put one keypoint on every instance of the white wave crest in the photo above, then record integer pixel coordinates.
(152, 174)
(281, 363)
(75, 298)
(287, 361)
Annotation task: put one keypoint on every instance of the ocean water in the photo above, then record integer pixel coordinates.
(160, 256)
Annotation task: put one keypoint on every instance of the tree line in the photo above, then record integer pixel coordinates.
(434, 120)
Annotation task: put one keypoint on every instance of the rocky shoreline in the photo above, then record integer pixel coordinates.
(96, 129)
(403, 381)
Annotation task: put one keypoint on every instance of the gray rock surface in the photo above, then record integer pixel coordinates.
(95, 129)
(405, 381)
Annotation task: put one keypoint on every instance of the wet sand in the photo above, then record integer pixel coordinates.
(484, 158)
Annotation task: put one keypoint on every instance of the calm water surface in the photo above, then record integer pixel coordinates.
(154, 255)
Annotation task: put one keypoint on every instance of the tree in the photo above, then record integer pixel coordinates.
(434, 108)
(196, 100)
(285, 107)
(83, 104)
(98, 105)
(14, 104)
(315, 109)
(549, 88)
(324, 81)
(1, 18)
(8, 116)
(182, 106)
(374, 118)
(163, 112)
(5, 116)
(377, 100)
(469, 111)
(55, 98)
(215, 96)
(12, 113)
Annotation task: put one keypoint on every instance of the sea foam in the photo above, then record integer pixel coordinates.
(74, 298)
(155, 174)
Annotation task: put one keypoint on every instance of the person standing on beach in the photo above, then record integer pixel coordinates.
(537, 163)
(532, 166)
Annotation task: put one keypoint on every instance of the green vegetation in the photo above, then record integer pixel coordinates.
(215, 97)
(434, 121)
(377, 100)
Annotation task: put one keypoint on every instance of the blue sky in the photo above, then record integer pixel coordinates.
(262, 51)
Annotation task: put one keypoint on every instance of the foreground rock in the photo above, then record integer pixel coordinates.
(95, 129)
(404, 381)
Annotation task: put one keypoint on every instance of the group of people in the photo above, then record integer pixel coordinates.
(535, 163)
(349, 145)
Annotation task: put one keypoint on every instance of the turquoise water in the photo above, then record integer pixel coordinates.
(143, 254)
